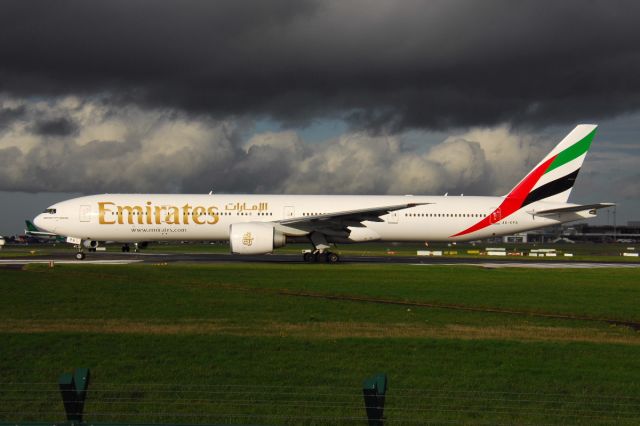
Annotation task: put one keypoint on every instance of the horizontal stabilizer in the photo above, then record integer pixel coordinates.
(574, 209)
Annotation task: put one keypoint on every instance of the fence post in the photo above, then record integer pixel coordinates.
(73, 389)
(374, 390)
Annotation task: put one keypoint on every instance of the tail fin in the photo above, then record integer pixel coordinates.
(553, 178)
(30, 226)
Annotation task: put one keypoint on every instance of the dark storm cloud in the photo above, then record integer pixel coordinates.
(381, 65)
(133, 149)
(9, 115)
(60, 126)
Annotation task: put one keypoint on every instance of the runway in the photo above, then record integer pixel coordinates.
(213, 258)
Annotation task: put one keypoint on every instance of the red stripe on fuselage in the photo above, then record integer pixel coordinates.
(513, 201)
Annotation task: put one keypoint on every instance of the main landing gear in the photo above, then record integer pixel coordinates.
(320, 252)
(318, 256)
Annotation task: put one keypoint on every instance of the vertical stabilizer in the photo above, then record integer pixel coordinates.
(553, 178)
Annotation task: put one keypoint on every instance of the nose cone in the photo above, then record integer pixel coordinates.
(38, 222)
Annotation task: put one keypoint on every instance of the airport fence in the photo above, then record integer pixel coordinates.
(153, 403)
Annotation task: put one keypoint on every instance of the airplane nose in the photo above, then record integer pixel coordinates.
(37, 221)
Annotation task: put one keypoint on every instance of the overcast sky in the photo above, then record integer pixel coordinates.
(357, 97)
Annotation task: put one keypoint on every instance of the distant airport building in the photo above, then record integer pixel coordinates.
(521, 237)
(577, 232)
(603, 233)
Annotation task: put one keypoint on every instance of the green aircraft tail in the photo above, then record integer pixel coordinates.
(30, 226)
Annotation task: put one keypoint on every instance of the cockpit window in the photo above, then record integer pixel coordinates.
(50, 211)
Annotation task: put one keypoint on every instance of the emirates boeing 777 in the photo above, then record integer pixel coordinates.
(257, 224)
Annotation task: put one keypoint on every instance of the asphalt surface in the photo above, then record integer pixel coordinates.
(212, 258)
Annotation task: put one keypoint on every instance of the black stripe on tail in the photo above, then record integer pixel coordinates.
(552, 188)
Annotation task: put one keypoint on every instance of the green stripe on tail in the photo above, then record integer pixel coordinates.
(573, 152)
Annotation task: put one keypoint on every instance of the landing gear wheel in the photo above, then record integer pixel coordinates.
(308, 257)
(125, 248)
(80, 255)
(332, 258)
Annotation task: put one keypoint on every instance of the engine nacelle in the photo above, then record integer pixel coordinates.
(254, 238)
(90, 244)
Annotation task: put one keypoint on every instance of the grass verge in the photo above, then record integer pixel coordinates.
(230, 343)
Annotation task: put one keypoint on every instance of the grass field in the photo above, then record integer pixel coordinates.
(291, 344)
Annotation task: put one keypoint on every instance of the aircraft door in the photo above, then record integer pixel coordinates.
(392, 217)
(85, 213)
(289, 212)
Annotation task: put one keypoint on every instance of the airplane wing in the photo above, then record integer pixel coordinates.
(574, 209)
(336, 224)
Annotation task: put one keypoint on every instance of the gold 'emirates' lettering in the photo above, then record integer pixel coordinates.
(156, 215)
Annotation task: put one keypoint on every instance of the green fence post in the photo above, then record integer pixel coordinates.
(374, 390)
(73, 389)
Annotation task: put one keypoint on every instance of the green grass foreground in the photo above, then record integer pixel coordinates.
(288, 344)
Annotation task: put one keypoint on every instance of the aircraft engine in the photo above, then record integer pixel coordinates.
(90, 244)
(254, 238)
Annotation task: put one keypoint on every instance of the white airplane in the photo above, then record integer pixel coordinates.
(257, 224)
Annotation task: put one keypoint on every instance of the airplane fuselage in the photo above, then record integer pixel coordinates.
(156, 217)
